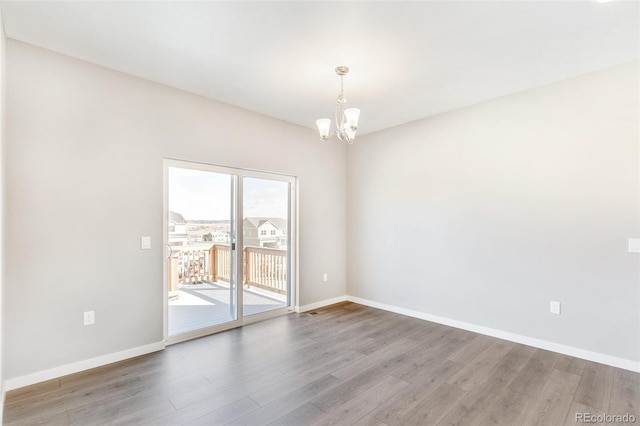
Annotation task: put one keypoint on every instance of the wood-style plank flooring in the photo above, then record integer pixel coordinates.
(345, 364)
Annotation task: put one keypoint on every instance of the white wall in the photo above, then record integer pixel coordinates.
(481, 215)
(485, 214)
(84, 168)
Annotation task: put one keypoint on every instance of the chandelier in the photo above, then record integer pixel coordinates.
(346, 119)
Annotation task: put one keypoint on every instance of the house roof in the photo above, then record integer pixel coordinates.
(176, 218)
(257, 222)
(277, 222)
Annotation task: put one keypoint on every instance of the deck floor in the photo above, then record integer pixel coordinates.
(207, 304)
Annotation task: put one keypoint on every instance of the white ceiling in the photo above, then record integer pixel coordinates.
(408, 60)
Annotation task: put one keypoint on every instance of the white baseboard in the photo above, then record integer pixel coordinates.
(53, 373)
(63, 370)
(601, 358)
(321, 304)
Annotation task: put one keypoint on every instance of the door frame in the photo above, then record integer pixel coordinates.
(237, 175)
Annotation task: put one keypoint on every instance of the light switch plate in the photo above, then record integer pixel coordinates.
(634, 245)
(145, 243)
(554, 307)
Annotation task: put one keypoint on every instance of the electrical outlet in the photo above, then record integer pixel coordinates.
(89, 318)
(554, 307)
(145, 243)
(325, 277)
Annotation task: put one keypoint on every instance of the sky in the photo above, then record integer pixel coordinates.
(200, 195)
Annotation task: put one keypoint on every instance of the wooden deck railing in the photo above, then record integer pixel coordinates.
(221, 263)
(264, 268)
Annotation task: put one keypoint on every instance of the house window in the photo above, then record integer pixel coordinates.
(263, 232)
(273, 232)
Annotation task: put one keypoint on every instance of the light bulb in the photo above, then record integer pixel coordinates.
(351, 116)
(351, 134)
(324, 126)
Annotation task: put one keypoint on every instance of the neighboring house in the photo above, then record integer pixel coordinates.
(250, 233)
(177, 229)
(216, 237)
(265, 232)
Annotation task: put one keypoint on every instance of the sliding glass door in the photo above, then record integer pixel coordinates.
(228, 237)
(200, 242)
(265, 246)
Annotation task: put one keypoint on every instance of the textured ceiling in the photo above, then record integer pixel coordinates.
(408, 60)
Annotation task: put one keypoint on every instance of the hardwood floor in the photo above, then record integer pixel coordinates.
(346, 364)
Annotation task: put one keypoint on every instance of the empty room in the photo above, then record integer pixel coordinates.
(320, 212)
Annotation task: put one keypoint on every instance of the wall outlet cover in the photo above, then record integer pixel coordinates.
(89, 318)
(145, 243)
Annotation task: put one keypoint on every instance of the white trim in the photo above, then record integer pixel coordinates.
(237, 230)
(321, 304)
(165, 255)
(263, 316)
(63, 370)
(598, 357)
(250, 319)
(76, 367)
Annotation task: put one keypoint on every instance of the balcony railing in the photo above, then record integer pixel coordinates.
(265, 268)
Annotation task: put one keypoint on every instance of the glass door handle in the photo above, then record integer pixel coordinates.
(170, 250)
